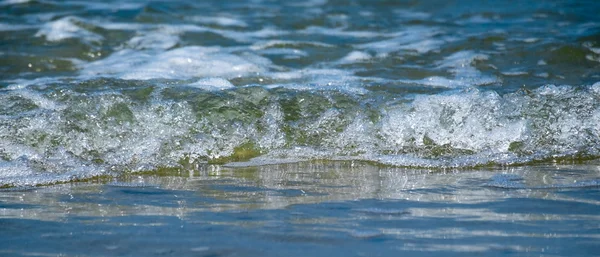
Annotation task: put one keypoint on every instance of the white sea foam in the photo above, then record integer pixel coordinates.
(311, 74)
(14, 172)
(339, 32)
(40, 101)
(212, 84)
(127, 26)
(319, 79)
(262, 33)
(286, 44)
(437, 81)
(154, 40)
(219, 20)
(339, 87)
(96, 5)
(180, 63)
(65, 28)
(19, 84)
(596, 50)
(356, 56)
(464, 121)
(593, 58)
(514, 73)
(288, 53)
(542, 75)
(596, 87)
(31, 169)
(531, 40)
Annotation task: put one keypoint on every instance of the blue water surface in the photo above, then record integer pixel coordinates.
(313, 128)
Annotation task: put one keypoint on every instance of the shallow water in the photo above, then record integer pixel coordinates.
(245, 127)
(316, 209)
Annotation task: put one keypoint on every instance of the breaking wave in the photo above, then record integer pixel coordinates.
(61, 131)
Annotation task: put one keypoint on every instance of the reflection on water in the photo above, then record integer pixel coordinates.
(316, 208)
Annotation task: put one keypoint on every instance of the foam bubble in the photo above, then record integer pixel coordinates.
(514, 73)
(356, 56)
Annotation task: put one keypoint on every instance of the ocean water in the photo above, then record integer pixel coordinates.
(283, 128)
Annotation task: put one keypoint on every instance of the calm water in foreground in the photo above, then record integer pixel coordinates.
(312, 128)
(312, 209)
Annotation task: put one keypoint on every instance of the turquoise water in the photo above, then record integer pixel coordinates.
(318, 127)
